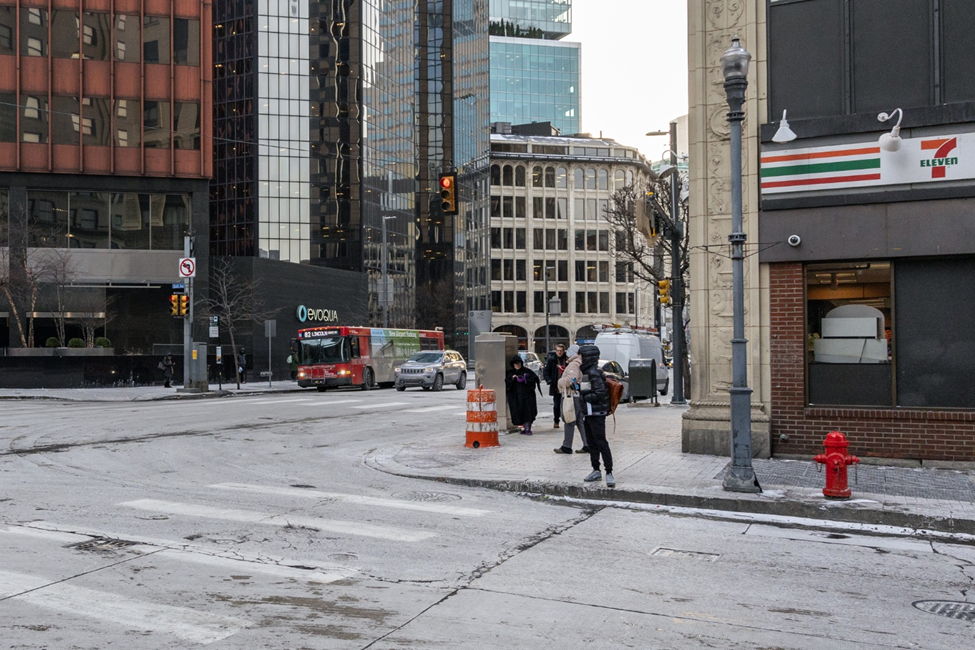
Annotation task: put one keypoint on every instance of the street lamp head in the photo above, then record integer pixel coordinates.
(784, 134)
(891, 141)
(734, 62)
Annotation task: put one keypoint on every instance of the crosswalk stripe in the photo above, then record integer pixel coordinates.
(283, 401)
(187, 624)
(334, 401)
(379, 406)
(244, 566)
(440, 508)
(267, 519)
(431, 409)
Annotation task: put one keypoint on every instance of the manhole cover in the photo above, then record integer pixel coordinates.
(951, 608)
(689, 555)
(427, 496)
(101, 544)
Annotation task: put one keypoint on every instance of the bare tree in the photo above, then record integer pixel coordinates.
(93, 312)
(20, 285)
(56, 270)
(235, 300)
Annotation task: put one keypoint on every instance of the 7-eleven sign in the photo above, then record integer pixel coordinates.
(940, 161)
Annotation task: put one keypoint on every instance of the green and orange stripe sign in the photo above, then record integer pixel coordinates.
(820, 168)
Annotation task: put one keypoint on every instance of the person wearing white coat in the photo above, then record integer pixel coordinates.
(570, 404)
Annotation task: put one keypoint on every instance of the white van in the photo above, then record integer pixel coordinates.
(621, 345)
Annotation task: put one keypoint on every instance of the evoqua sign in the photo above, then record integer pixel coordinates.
(306, 314)
(865, 164)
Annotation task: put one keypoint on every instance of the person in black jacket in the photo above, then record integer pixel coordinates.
(520, 385)
(554, 367)
(595, 398)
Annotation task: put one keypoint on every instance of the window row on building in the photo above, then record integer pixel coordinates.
(100, 121)
(116, 220)
(558, 270)
(586, 302)
(95, 35)
(583, 178)
(548, 207)
(553, 239)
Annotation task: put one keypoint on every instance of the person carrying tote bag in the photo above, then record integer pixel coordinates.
(570, 403)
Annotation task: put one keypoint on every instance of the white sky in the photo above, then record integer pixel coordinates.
(634, 68)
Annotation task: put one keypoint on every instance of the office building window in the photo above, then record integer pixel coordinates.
(155, 40)
(127, 38)
(186, 41)
(8, 117)
(155, 119)
(186, 125)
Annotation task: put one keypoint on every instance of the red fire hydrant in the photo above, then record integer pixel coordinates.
(836, 459)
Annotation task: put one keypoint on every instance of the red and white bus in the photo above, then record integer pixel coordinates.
(357, 356)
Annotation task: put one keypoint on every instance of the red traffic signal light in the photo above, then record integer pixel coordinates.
(184, 305)
(448, 193)
(174, 304)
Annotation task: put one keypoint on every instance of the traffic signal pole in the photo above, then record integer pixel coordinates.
(188, 319)
(676, 237)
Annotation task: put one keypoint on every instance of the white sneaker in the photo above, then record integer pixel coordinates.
(594, 476)
(610, 481)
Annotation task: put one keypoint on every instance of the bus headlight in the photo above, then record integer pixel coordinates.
(343, 373)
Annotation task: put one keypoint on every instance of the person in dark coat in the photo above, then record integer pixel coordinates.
(520, 385)
(595, 398)
(554, 367)
(166, 365)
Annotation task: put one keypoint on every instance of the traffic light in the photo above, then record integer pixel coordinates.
(184, 305)
(448, 193)
(174, 304)
(663, 291)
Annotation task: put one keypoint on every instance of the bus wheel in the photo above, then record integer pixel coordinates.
(438, 382)
(321, 389)
(367, 379)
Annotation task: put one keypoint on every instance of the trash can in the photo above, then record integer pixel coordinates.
(643, 378)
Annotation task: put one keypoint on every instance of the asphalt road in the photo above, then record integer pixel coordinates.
(253, 523)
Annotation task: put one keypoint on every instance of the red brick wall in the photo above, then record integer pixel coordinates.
(884, 433)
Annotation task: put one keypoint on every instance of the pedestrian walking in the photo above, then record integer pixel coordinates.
(242, 366)
(595, 402)
(293, 363)
(554, 367)
(166, 365)
(571, 417)
(520, 386)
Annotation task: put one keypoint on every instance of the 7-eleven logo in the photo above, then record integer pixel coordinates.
(941, 161)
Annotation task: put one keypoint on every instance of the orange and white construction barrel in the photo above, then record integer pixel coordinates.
(482, 418)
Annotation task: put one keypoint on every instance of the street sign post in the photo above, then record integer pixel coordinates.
(270, 331)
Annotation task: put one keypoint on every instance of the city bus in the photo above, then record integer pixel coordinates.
(329, 357)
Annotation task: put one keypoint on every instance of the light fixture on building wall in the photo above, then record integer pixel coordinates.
(784, 134)
(891, 141)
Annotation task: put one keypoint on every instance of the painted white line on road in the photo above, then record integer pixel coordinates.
(240, 566)
(267, 519)
(334, 401)
(379, 406)
(431, 409)
(354, 498)
(53, 535)
(283, 401)
(182, 622)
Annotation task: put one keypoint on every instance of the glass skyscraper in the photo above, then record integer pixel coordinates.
(534, 75)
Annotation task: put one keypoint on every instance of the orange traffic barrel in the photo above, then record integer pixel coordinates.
(482, 418)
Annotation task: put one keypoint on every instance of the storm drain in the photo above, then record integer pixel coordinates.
(951, 608)
(101, 544)
(687, 555)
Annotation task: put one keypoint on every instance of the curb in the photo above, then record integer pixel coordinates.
(833, 511)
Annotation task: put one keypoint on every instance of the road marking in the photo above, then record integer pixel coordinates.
(354, 498)
(267, 519)
(239, 566)
(335, 401)
(282, 401)
(187, 624)
(379, 406)
(52, 535)
(430, 409)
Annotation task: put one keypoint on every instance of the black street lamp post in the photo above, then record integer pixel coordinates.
(740, 476)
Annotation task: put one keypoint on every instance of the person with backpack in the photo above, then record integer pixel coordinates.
(570, 403)
(554, 367)
(594, 395)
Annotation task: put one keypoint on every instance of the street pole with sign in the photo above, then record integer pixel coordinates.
(270, 331)
(187, 271)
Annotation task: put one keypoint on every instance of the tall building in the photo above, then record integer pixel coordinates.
(549, 238)
(105, 156)
(334, 123)
(859, 300)
(535, 76)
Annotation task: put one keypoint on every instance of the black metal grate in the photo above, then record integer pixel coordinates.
(101, 544)
(951, 608)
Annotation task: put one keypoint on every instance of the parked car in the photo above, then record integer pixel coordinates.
(615, 370)
(532, 362)
(621, 346)
(431, 369)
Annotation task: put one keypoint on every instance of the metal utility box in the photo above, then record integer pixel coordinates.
(493, 350)
(198, 362)
(643, 378)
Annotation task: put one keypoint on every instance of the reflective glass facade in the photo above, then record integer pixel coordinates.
(535, 80)
(552, 18)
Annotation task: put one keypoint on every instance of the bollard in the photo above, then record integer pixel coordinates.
(482, 419)
(836, 459)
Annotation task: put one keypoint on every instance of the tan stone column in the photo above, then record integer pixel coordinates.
(707, 424)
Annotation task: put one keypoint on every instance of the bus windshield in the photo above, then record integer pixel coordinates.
(325, 350)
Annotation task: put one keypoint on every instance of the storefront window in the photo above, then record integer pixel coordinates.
(849, 327)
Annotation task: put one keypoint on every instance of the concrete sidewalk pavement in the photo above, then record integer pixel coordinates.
(650, 468)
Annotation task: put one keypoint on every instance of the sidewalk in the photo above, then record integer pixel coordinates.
(650, 469)
(145, 393)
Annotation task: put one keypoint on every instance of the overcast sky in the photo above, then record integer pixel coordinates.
(634, 68)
